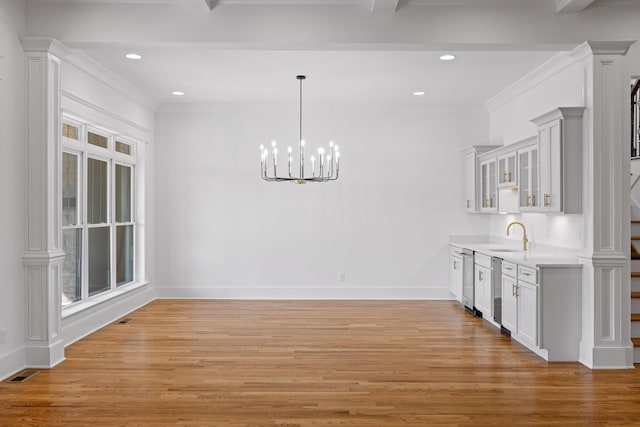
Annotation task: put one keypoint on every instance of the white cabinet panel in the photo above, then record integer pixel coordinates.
(509, 303)
(456, 276)
(482, 288)
(527, 325)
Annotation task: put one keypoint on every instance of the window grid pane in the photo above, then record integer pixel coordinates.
(69, 131)
(69, 189)
(97, 191)
(99, 260)
(99, 140)
(124, 254)
(72, 268)
(122, 147)
(123, 193)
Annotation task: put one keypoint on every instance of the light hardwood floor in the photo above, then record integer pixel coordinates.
(313, 363)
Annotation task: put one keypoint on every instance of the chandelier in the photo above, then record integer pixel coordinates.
(328, 168)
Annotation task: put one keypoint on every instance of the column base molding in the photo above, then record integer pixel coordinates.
(41, 355)
(606, 357)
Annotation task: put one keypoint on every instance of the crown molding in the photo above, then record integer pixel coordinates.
(538, 75)
(45, 45)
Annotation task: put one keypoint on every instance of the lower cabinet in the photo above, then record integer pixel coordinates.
(456, 274)
(527, 326)
(482, 285)
(520, 303)
(509, 303)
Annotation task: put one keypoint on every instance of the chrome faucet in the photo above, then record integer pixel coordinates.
(524, 231)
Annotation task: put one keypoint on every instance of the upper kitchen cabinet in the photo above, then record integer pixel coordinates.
(473, 198)
(560, 160)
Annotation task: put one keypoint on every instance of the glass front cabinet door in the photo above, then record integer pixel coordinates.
(489, 183)
(507, 170)
(529, 199)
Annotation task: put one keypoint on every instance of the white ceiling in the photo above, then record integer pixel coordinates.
(252, 76)
(191, 61)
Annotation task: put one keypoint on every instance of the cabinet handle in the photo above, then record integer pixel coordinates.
(480, 276)
(455, 265)
(533, 198)
(468, 203)
(513, 290)
(517, 294)
(547, 202)
(508, 268)
(528, 201)
(509, 176)
(491, 202)
(526, 274)
(504, 177)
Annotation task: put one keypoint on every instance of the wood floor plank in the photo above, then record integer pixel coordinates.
(313, 363)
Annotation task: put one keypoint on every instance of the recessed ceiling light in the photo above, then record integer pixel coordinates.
(133, 56)
(418, 93)
(177, 93)
(447, 57)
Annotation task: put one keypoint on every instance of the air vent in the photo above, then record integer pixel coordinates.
(23, 376)
(124, 321)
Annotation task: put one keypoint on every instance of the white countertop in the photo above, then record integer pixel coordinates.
(546, 257)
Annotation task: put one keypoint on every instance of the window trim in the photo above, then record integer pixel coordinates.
(85, 151)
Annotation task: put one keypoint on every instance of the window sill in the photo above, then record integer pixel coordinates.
(78, 307)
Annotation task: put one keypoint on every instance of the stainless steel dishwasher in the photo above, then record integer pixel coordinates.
(496, 284)
(467, 280)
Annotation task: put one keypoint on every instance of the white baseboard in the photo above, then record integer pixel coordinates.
(11, 363)
(195, 292)
(83, 323)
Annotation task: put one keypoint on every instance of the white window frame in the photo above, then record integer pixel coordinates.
(85, 151)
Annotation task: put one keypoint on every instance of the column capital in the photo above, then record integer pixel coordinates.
(44, 45)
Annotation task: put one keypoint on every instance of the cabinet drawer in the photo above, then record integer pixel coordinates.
(509, 269)
(529, 275)
(483, 260)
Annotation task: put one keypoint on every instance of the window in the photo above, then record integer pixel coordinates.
(122, 147)
(98, 211)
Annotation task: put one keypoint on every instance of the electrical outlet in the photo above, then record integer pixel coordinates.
(3, 336)
(342, 277)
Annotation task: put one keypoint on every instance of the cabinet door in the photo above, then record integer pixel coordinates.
(509, 303)
(507, 170)
(549, 138)
(482, 288)
(489, 186)
(529, 199)
(527, 323)
(470, 187)
(455, 276)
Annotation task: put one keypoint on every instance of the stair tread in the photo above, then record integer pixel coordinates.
(635, 317)
(636, 342)
(635, 294)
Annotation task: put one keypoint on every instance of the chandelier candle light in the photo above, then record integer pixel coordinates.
(328, 172)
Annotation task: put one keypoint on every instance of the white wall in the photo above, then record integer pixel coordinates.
(99, 97)
(12, 184)
(559, 83)
(223, 232)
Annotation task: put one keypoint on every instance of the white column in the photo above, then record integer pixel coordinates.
(606, 324)
(43, 257)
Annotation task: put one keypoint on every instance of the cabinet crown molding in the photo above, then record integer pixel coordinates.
(558, 113)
